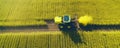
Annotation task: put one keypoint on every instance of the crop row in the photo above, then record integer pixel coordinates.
(99, 39)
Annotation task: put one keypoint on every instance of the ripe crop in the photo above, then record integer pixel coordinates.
(103, 11)
(94, 39)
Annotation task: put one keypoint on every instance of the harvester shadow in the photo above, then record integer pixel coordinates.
(72, 33)
(91, 27)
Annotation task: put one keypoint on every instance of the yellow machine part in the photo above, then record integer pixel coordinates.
(85, 19)
(58, 19)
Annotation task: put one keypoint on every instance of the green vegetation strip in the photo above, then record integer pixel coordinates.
(23, 23)
(56, 39)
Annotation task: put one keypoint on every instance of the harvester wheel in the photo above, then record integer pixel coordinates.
(68, 27)
(61, 27)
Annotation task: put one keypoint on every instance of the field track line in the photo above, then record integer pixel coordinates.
(54, 27)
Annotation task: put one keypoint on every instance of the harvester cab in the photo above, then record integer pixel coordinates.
(66, 19)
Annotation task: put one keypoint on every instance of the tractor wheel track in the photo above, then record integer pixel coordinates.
(54, 27)
(31, 28)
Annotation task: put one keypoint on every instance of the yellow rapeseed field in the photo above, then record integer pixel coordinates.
(103, 11)
(56, 39)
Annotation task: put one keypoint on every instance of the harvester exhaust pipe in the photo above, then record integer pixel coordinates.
(76, 21)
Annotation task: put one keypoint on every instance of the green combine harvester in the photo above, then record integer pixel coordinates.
(66, 20)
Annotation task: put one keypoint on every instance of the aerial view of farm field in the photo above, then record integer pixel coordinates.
(59, 23)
